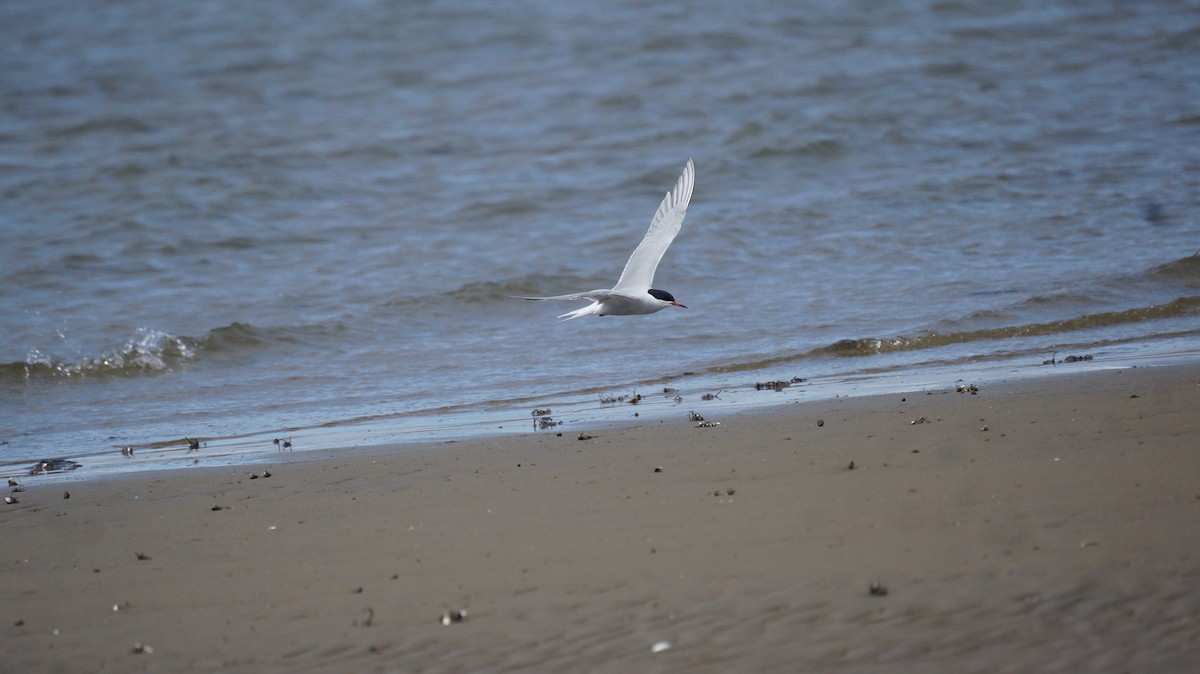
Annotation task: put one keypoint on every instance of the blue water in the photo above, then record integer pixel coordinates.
(241, 221)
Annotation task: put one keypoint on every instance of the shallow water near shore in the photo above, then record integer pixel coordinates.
(699, 399)
(237, 223)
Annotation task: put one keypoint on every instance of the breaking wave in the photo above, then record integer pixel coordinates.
(148, 351)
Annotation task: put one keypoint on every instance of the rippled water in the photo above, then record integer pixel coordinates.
(235, 220)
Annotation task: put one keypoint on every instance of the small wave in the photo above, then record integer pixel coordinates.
(820, 149)
(120, 125)
(620, 101)
(242, 337)
(148, 351)
(948, 69)
(486, 292)
(746, 132)
(1185, 271)
(530, 284)
(233, 337)
(155, 351)
(871, 346)
(75, 260)
(1178, 277)
(236, 243)
(483, 210)
(1183, 306)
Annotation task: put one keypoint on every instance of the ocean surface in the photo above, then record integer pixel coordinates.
(241, 222)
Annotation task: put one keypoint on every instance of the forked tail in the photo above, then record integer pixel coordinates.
(582, 311)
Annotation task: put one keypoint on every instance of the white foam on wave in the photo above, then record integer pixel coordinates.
(147, 350)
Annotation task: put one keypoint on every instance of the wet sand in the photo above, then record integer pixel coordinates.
(1044, 525)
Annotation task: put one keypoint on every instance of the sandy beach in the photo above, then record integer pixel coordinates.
(1036, 525)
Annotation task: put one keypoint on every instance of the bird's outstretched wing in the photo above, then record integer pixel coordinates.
(596, 297)
(639, 270)
(590, 295)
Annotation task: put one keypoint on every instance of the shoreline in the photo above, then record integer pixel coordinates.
(484, 422)
(1054, 540)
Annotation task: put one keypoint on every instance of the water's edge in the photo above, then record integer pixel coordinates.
(675, 401)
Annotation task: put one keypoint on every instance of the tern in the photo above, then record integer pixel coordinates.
(633, 295)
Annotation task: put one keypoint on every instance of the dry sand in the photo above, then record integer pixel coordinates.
(1064, 537)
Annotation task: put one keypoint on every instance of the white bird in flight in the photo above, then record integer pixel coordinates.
(633, 295)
